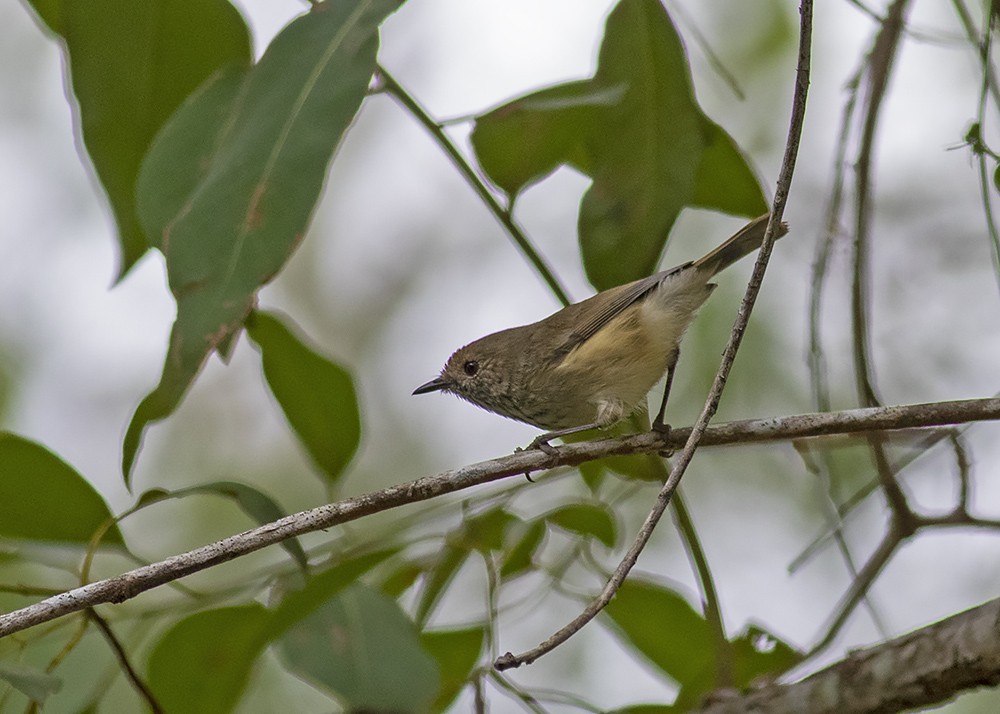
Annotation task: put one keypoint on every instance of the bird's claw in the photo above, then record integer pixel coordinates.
(542, 444)
(664, 431)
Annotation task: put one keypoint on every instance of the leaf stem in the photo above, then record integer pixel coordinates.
(390, 86)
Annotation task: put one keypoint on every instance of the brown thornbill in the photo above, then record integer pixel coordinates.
(593, 363)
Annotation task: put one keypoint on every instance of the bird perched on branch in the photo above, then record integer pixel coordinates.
(592, 363)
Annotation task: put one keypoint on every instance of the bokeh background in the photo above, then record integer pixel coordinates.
(403, 264)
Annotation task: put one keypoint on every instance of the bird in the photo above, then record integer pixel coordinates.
(592, 364)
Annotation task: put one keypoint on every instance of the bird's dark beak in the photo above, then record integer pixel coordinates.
(435, 385)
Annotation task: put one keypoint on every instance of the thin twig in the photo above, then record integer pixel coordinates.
(510, 660)
(964, 471)
(725, 666)
(503, 215)
(881, 60)
(714, 61)
(818, 376)
(898, 534)
(859, 587)
(988, 86)
(130, 672)
(919, 450)
(127, 585)
(834, 522)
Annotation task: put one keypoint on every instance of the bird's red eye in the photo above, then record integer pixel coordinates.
(471, 367)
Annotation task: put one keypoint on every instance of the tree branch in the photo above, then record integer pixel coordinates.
(127, 585)
(926, 667)
(696, 434)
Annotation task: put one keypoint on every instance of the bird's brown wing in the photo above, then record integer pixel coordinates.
(585, 319)
(594, 317)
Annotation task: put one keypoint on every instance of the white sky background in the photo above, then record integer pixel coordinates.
(403, 265)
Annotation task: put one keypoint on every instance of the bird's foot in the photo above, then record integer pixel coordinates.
(664, 431)
(541, 443)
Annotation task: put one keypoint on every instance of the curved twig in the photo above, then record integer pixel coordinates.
(393, 88)
(511, 660)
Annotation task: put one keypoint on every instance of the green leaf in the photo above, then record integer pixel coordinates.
(519, 558)
(446, 565)
(758, 653)
(636, 129)
(484, 531)
(255, 503)
(550, 127)
(648, 709)
(203, 663)
(645, 172)
(586, 519)
(361, 646)
(316, 395)
(401, 579)
(456, 653)
(131, 65)
(230, 183)
(660, 624)
(44, 498)
(639, 467)
(724, 181)
(37, 685)
(321, 587)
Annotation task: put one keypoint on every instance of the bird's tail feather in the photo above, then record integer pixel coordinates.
(745, 241)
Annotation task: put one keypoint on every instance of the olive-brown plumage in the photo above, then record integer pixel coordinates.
(591, 363)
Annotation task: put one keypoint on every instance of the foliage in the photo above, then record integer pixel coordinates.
(219, 167)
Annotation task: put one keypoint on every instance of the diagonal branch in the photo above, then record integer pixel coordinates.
(926, 667)
(510, 660)
(127, 585)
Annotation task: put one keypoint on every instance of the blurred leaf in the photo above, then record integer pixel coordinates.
(456, 653)
(36, 684)
(138, 60)
(203, 663)
(297, 604)
(586, 519)
(260, 507)
(646, 167)
(44, 498)
(446, 565)
(50, 12)
(484, 531)
(996, 178)
(638, 132)
(401, 579)
(153, 495)
(725, 181)
(316, 395)
(593, 473)
(648, 709)
(759, 654)
(229, 185)
(661, 625)
(361, 646)
(520, 557)
(640, 467)
(550, 127)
